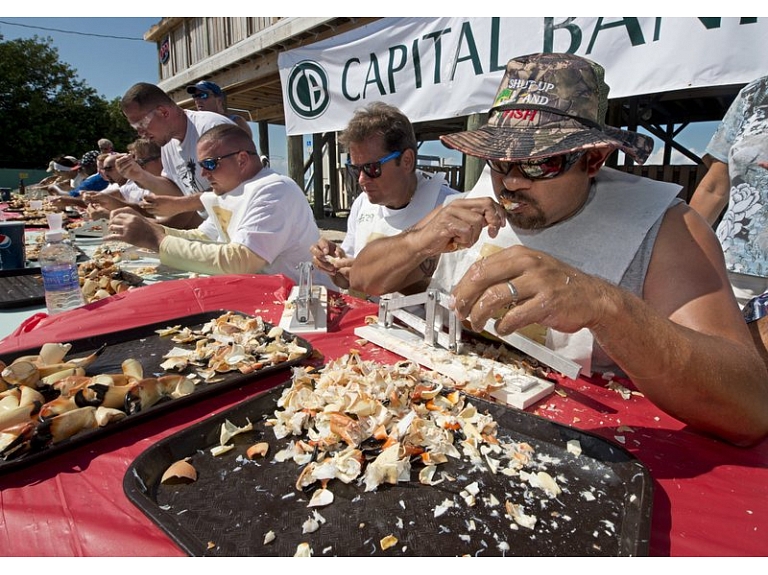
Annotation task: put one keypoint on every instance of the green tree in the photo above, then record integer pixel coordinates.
(47, 111)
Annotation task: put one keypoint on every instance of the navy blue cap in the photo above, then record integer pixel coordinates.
(205, 86)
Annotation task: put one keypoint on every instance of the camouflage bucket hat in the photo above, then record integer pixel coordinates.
(548, 104)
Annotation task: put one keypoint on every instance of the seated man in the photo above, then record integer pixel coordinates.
(607, 261)
(382, 158)
(259, 221)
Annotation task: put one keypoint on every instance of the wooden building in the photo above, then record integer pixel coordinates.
(241, 55)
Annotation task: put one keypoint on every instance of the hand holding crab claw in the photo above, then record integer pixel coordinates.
(329, 257)
(458, 225)
(521, 286)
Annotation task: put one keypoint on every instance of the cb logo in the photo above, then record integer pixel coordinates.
(308, 89)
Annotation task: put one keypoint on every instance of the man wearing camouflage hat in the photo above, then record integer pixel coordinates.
(624, 276)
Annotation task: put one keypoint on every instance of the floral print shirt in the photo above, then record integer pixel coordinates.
(741, 141)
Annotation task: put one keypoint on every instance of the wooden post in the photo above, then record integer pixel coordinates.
(473, 166)
(295, 145)
(317, 177)
(333, 172)
(264, 138)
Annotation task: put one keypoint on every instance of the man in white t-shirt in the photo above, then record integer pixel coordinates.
(155, 116)
(382, 158)
(259, 221)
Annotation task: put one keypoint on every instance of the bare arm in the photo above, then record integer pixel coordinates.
(712, 194)
(685, 344)
(167, 206)
(408, 259)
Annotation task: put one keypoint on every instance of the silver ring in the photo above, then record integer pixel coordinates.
(513, 291)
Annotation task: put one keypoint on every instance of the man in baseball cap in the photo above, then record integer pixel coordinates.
(623, 275)
(209, 97)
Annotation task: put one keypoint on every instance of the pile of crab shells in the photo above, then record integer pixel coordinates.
(102, 277)
(46, 398)
(229, 342)
(359, 421)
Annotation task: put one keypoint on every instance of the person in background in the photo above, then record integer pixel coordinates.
(259, 221)
(626, 277)
(94, 181)
(382, 158)
(736, 179)
(105, 146)
(155, 116)
(209, 97)
(64, 169)
(125, 192)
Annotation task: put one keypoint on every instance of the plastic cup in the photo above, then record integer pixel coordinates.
(54, 220)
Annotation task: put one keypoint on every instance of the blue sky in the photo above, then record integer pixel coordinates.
(109, 53)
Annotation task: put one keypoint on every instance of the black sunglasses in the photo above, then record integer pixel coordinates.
(371, 169)
(200, 96)
(211, 164)
(144, 161)
(539, 169)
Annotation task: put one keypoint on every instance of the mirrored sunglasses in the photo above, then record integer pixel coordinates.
(200, 96)
(145, 121)
(211, 164)
(371, 169)
(539, 169)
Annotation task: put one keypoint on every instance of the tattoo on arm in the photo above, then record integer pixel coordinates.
(428, 266)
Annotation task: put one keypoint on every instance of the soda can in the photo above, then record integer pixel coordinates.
(13, 253)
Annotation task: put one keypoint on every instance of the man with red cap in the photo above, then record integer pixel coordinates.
(624, 275)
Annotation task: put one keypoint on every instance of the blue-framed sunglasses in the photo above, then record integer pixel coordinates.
(371, 169)
(211, 164)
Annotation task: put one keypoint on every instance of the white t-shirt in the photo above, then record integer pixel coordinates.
(132, 192)
(180, 158)
(270, 216)
(368, 221)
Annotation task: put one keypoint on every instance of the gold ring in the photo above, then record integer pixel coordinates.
(513, 291)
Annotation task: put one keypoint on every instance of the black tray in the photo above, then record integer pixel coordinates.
(144, 344)
(21, 288)
(235, 502)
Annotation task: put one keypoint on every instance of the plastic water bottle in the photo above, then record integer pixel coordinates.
(58, 263)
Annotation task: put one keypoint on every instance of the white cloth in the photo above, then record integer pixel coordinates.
(368, 221)
(179, 158)
(269, 215)
(622, 213)
(132, 192)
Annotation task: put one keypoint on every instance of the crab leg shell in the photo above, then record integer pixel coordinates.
(57, 407)
(17, 415)
(21, 373)
(15, 439)
(101, 395)
(68, 424)
(59, 375)
(51, 353)
(68, 386)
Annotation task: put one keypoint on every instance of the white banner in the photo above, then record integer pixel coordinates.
(435, 68)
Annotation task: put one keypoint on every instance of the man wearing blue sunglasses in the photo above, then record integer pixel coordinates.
(259, 221)
(382, 159)
(209, 97)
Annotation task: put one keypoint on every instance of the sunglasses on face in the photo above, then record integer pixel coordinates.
(144, 161)
(211, 164)
(371, 169)
(200, 96)
(142, 124)
(540, 169)
(108, 168)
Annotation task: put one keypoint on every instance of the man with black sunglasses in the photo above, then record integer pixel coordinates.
(624, 276)
(259, 221)
(382, 159)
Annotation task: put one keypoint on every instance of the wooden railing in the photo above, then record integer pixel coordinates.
(687, 176)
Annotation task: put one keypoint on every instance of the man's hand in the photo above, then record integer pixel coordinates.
(330, 258)
(544, 291)
(458, 225)
(125, 225)
(163, 206)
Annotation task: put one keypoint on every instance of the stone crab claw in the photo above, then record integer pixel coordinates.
(16, 440)
(149, 391)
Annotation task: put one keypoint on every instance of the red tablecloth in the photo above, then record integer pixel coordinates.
(710, 498)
